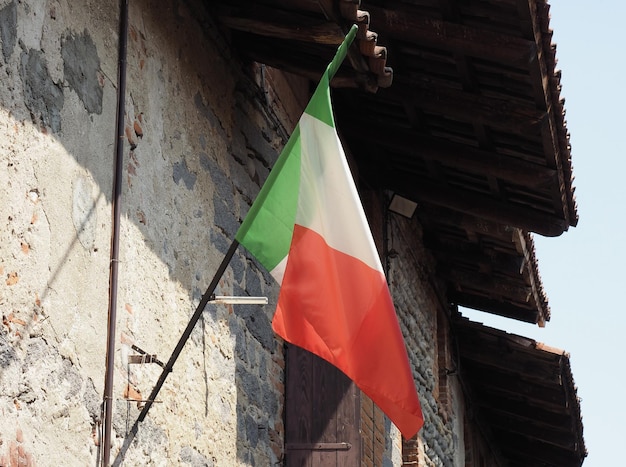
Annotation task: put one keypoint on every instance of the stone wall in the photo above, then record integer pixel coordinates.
(421, 306)
(202, 131)
(423, 313)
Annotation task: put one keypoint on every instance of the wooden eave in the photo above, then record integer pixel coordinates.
(522, 395)
(453, 104)
(302, 36)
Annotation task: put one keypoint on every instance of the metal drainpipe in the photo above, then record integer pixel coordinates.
(115, 235)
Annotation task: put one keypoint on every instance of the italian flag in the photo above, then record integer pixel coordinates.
(308, 228)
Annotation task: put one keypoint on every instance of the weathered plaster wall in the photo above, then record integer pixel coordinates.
(201, 135)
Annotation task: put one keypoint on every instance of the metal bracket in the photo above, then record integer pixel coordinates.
(144, 357)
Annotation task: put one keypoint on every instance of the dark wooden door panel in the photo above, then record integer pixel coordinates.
(322, 413)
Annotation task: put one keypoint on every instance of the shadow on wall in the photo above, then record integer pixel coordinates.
(197, 145)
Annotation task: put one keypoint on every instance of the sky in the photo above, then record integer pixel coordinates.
(583, 269)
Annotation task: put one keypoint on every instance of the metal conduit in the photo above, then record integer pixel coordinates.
(115, 235)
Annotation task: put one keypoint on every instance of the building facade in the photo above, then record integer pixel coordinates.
(204, 124)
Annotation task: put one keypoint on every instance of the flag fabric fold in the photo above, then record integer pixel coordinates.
(308, 228)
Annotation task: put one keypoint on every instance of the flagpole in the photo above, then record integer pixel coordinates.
(341, 53)
(167, 369)
(332, 69)
(187, 332)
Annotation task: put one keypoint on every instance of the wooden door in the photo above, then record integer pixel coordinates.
(322, 413)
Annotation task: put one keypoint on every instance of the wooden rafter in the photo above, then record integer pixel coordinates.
(269, 22)
(463, 157)
(455, 38)
(421, 189)
(498, 113)
(524, 313)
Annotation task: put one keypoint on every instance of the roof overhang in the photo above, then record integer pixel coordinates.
(472, 128)
(522, 395)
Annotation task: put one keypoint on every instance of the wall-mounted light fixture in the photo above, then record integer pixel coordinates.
(228, 300)
(401, 205)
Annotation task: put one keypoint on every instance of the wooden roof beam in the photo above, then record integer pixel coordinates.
(542, 89)
(332, 11)
(455, 38)
(533, 276)
(311, 69)
(547, 415)
(270, 22)
(422, 190)
(500, 308)
(525, 366)
(502, 287)
(488, 379)
(470, 223)
(502, 114)
(463, 157)
(346, 12)
(523, 426)
(484, 260)
(473, 224)
(368, 60)
(536, 452)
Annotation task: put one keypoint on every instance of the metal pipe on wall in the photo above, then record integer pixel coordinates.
(115, 235)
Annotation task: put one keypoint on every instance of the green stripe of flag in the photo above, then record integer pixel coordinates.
(273, 214)
(319, 106)
(267, 229)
